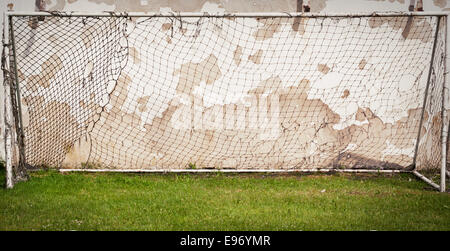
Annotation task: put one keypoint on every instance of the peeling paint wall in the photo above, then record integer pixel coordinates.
(349, 125)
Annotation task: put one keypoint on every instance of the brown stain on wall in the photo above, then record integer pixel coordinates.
(256, 58)
(55, 131)
(429, 153)
(345, 94)
(323, 68)
(166, 26)
(191, 74)
(134, 54)
(108, 134)
(120, 93)
(270, 27)
(273, 85)
(54, 40)
(237, 55)
(301, 126)
(77, 154)
(87, 35)
(142, 101)
(83, 104)
(360, 115)
(48, 70)
(370, 152)
(412, 28)
(299, 25)
(362, 64)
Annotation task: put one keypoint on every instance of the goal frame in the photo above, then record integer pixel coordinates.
(12, 106)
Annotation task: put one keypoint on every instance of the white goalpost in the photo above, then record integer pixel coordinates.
(241, 92)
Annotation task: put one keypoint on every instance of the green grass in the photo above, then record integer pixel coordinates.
(77, 201)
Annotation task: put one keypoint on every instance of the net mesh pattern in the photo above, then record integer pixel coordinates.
(62, 93)
(429, 154)
(224, 92)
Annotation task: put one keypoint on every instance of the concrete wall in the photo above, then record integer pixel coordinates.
(226, 5)
(345, 119)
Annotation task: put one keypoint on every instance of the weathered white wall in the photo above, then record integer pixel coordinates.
(227, 5)
(220, 6)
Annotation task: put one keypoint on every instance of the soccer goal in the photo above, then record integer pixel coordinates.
(253, 92)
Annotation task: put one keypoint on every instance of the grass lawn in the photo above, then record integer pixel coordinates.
(78, 201)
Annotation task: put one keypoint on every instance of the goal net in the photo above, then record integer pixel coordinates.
(229, 91)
